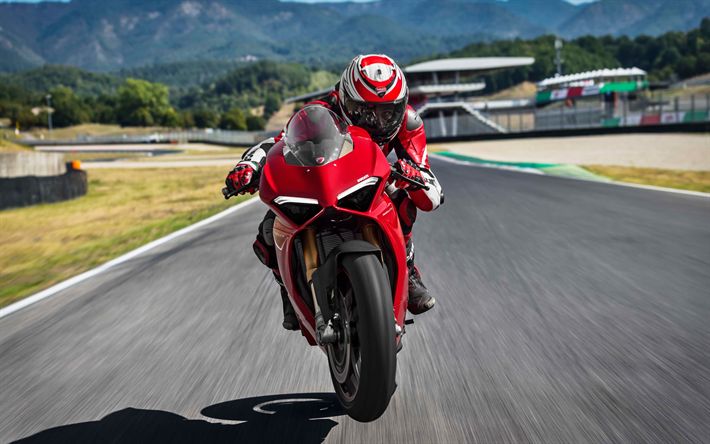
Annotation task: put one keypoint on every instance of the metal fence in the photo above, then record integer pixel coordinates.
(223, 137)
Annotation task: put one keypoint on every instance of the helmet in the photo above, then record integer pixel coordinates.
(373, 95)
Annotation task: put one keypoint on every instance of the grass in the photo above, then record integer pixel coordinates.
(7, 144)
(681, 179)
(45, 244)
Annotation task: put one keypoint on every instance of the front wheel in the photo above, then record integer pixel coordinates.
(363, 361)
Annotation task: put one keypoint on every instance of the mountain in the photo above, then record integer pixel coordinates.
(107, 35)
(544, 13)
(635, 17)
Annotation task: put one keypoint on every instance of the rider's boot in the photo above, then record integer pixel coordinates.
(419, 298)
(290, 321)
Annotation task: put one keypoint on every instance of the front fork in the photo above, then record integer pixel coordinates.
(326, 333)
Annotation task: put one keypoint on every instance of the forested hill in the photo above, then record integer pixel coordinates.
(107, 35)
(208, 93)
(668, 57)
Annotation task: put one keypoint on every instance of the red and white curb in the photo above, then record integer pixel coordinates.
(538, 172)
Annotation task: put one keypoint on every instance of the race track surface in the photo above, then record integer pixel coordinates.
(567, 312)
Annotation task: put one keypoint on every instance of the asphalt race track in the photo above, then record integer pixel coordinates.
(567, 312)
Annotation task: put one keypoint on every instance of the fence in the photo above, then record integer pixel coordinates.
(222, 137)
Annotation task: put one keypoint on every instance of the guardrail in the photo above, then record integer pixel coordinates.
(220, 137)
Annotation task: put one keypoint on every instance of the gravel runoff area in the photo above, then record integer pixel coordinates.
(668, 151)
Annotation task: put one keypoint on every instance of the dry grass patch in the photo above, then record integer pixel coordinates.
(681, 179)
(45, 244)
(7, 144)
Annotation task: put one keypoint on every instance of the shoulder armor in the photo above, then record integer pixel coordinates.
(413, 120)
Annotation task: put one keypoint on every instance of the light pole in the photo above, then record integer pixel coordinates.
(558, 55)
(49, 111)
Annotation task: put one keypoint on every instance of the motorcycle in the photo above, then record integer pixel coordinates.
(340, 251)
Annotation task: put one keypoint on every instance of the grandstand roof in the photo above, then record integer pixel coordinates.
(469, 64)
(591, 75)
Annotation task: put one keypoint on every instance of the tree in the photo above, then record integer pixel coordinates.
(142, 103)
(68, 108)
(233, 119)
(255, 123)
(271, 105)
(205, 118)
(187, 120)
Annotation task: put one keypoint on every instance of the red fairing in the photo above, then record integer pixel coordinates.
(285, 180)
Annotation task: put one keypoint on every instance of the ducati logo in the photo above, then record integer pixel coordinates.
(320, 160)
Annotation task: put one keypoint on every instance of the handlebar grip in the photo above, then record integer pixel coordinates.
(227, 194)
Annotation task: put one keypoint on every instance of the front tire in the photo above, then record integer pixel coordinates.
(363, 362)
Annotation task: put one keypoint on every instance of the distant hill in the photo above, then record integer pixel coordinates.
(108, 35)
(634, 17)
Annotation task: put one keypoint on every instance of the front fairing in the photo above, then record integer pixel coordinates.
(322, 183)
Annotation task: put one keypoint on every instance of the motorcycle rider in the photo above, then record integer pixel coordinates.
(372, 94)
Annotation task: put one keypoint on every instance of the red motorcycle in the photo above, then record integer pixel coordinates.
(340, 251)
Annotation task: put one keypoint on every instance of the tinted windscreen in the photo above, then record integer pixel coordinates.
(315, 136)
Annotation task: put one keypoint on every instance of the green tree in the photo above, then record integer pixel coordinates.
(68, 108)
(233, 119)
(142, 103)
(187, 120)
(272, 104)
(255, 123)
(205, 118)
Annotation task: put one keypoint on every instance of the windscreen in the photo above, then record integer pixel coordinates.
(315, 136)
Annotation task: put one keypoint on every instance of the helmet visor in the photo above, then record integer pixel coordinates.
(381, 120)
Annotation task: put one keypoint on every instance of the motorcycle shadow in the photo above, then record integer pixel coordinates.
(302, 418)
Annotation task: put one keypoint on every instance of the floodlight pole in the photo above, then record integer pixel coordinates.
(558, 55)
(49, 111)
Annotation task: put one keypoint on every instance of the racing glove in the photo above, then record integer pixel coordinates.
(410, 171)
(243, 174)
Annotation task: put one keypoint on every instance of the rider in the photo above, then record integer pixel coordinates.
(372, 94)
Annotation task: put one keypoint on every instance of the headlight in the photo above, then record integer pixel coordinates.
(298, 209)
(360, 196)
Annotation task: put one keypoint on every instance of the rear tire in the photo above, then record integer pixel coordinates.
(363, 363)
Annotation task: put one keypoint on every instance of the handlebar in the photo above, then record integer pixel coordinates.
(227, 194)
(420, 185)
(416, 183)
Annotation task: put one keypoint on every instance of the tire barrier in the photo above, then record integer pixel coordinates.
(32, 190)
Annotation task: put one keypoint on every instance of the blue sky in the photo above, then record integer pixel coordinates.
(305, 1)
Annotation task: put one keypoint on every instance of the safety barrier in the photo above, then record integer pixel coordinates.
(33, 178)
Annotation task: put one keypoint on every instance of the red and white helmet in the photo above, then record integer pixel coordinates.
(373, 95)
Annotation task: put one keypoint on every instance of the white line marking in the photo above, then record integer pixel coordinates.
(19, 305)
(535, 171)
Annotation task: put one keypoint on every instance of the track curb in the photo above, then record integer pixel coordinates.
(548, 170)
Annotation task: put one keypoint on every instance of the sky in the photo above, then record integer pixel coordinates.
(576, 2)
